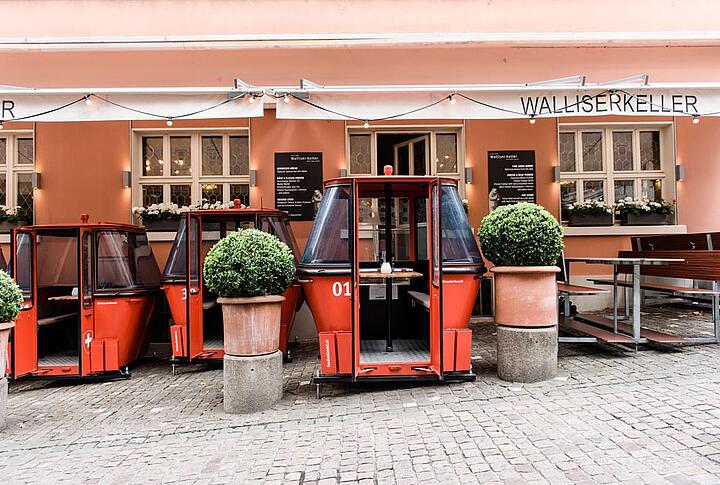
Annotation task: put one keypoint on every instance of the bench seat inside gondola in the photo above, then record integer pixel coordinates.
(410, 323)
(58, 320)
(212, 322)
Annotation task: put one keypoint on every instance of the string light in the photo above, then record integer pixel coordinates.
(532, 119)
(366, 124)
(696, 119)
(1, 125)
(88, 101)
(252, 98)
(169, 122)
(286, 98)
(452, 99)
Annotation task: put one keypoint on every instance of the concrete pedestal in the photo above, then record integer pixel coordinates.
(252, 383)
(527, 354)
(3, 402)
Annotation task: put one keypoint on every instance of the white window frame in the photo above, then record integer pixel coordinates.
(12, 169)
(196, 179)
(608, 175)
(431, 130)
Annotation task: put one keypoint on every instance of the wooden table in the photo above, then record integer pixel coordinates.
(389, 277)
(636, 263)
(63, 298)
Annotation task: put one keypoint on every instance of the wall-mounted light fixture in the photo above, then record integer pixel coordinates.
(126, 178)
(556, 173)
(253, 178)
(343, 172)
(679, 173)
(35, 180)
(468, 175)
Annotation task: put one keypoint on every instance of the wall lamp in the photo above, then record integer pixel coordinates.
(253, 178)
(35, 179)
(556, 173)
(343, 172)
(126, 178)
(468, 175)
(679, 173)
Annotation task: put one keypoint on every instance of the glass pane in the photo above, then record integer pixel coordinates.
(403, 160)
(568, 195)
(23, 263)
(372, 246)
(25, 151)
(436, 248)
(3, 190)
(181, 162)
(592, 151)
(57, 262)
(212, 155)
(419, 161)
(567, 152)
(194, 252)
(458, 242)
(593, 190)
(624, 188)
(622, 150)
(649, 150)
(125, 261)
(328, 240)
(152, 148)
(25, 194)
(180, 195)
(360, 154)
(86, 270)
(176, 265)
(239, 155)
(242, 192)
(280, 227)
(446, 150)
(651, 189)
(152, 194)
(212, 193)
(3, 151)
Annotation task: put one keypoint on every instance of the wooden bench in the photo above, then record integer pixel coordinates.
(422, 299)
(208, 304)
(606, 336)
(44, 322)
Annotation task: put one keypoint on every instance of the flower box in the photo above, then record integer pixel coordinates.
(163, 225)
(7, 227)
(649, 219)
(585, 220)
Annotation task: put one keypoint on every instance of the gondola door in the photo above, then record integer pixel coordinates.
(435, 233)
(194, 288)
(92, 354)
(24, 339)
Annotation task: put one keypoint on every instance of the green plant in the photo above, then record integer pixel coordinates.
(249, 262)
(521, 235)
(11, 298)
(590, 208)
(637, 207)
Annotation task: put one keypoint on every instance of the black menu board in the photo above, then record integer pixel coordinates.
(298, 184)
(511, 177)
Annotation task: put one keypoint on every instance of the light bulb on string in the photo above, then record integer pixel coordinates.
(1, 125)
(88, 101)
(696, 120)
(452, 99)
(169, 122)
(366, 124)
(286, 98)
(532, 120)
(252, 98)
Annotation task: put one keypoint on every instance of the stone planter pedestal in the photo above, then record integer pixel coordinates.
(5, 328)
(526, 315)
(253, 374)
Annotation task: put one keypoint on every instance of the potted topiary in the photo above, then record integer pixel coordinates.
(524, 242)
(250, 270)
(643, 212)
(590, 213)
(11, 299)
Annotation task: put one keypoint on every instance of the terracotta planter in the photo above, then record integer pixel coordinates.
(251, 325)
(526, 296)
(5, 328)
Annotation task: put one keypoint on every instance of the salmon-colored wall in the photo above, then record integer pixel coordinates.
(81, 167)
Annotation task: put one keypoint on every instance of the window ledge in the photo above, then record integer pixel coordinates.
(159, 236)
(624, 230)
(4, 238)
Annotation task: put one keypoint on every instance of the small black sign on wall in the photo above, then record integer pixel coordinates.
(511, 177)
(298, 184)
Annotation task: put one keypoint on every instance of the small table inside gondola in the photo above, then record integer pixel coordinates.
(63, 298)
(389, 277)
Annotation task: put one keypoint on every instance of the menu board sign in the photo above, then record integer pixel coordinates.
(298, 184)
(511, 177)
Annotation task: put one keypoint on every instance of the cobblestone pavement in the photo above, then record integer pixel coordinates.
(611, 416)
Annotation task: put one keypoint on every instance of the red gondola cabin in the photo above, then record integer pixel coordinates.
(404, 320)
(89, 291)
(197, 331)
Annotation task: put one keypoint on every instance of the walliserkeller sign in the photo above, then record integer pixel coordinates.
(511, 177)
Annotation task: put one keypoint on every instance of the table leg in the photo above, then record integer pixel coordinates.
(388, 313)
(636, 302)
(614, 296)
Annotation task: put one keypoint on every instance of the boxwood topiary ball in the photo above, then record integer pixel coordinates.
(248, 263)
(11, 298)
(521, 235)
